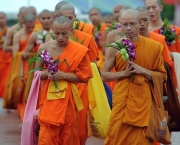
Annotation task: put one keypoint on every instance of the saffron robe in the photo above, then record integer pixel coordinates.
(5, 64)
(58, 118)
(87, 28)
(132, 100)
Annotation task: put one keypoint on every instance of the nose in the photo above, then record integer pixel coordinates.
(150, 10)
(60, 36)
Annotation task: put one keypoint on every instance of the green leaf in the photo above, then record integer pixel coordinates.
(31, 71)
(83, 26)
(52, 36)
(34, 59)
(67, 63)
(56, 86)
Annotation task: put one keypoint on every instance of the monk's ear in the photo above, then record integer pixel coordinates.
(161, 8)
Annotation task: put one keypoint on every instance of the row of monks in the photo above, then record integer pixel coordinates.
(81, 44)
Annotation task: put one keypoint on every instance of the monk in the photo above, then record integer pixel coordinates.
(108, 19)
(38, 25)
(36, 39)
(132, 99)
(116, 10)
(20, 42)
(156, 22)
(117, 33)
(58, 116)
(5, 62)
(172, 104)
(69, 11)
(99, 29)
(12, 30)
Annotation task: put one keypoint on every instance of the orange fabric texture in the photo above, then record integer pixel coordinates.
(38, 26)
(82, 87)
(132, 100)
(5, 65)
(87, 28)
(61, 114)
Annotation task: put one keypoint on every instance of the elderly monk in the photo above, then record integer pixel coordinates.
(58, 116)
(37, 38)
(20, 41)
(116, 10)
(132, 99)
(12, 30)
(69, 11)
(108, 19)
(5, 58)
(117, 33)
(99, 33)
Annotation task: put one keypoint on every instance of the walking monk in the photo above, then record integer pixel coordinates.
(172, 104)
(88, 41)
(116, 11)
(58, 116)
(15, 28)
(5, 62)
(99, 29)
(132, 99)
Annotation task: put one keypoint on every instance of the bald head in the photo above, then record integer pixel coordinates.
(142, 9)
(62, 20)
(131, 12)
(67, 7)
(94, 9)
(157, 1)
(60, 4)
(24, 9)
(3, 14)
(45, 11)
(29, 18)
(33, 10)
(124, 9)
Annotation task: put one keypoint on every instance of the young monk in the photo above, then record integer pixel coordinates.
(99, 29)
(20, 42)
(12, 30)
(5, 58)
(35, 40)
(108, 19)
(69, 11)
(116, 10)
(132, 100)
(58, 117)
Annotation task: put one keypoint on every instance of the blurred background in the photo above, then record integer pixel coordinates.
(10, 7)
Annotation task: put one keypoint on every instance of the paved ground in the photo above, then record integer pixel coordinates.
(10, 130)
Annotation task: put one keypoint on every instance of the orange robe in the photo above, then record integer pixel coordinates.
(22, 105)
(5, 65)
(87, 28)
(58, 118)
(38, 26)
(101, 57)
(82, 87)
(132, 100)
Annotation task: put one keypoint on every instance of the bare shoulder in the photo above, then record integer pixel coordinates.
(47, 45)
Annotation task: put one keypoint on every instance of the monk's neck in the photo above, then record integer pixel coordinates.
(2, 28)
(156, 24)
(135, 39)
(145, 34)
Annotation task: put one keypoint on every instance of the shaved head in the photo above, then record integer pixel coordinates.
(96, 9)
(157, 1)
(32, 10)
(45, 11)
(29, 18)
(142, 9)
(122, 10)
(62, 20)
(2, 13)
(130, 12)
(118, 6)
(60, 4)
(24, 9)
(67, 7)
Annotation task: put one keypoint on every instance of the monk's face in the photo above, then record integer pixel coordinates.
(70, 14)
(154, 9)
(130, 25)
(116, 12)
(29, 26)
(21, 16)
(46, 20)
(144, 22)
(62, 32)
(95, 17)
(3, 20)
(108, 20)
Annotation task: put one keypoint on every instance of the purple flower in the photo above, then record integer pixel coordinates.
(173, 30)
(118, 25)
(161, 31)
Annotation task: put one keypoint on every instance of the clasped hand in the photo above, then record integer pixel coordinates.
(56, 75)
(133, 68)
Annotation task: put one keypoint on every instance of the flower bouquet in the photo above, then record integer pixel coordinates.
(76, 25)
(41, 36)
(169, 32)
(114, 26)
(50, 64)
(126, 48)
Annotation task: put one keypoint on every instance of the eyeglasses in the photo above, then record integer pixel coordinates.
(132, 24)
